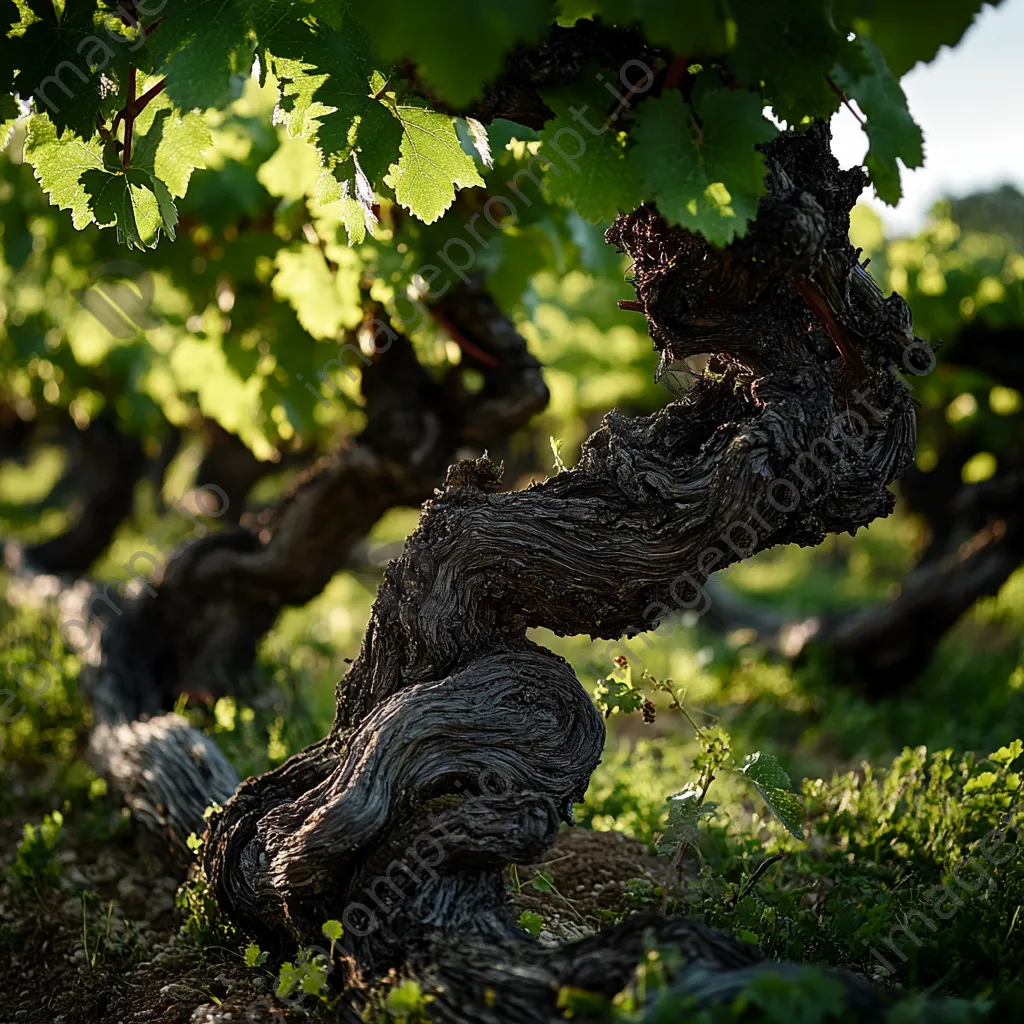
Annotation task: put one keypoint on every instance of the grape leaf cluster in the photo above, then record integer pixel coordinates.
(113, 92)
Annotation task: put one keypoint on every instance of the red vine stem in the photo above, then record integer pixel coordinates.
(642, 86)
(141, 103)
(131, 110)
(129, 120)
(842, 95)
(813, 297)
(676, 72)
(464, 343)
(673, 79)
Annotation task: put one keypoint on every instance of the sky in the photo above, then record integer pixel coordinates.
(970, 104)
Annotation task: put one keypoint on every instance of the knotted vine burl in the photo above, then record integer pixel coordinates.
(449, 691)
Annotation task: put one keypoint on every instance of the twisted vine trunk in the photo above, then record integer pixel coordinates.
(459, 744)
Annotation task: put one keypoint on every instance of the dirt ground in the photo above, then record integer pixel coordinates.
(114, 955)
(118, 956)
(592, 874)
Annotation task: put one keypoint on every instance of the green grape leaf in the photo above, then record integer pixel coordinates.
(530, 921)
(170, 145)
(432, 163)
(59, 164)
(136, 203)
(199, 46)
(407, 1001)
(707, 178)
(328, 88)
(292, 171)
(1005, 756)
(324, 302)
(200, 365)
(288, 980)
(685, 809)
(62, 65)
(588, 169)
(571, 11)
(772, 782)
(791, 48)
(910, 31)
(378, 136)
(346, 201)
(254, 956)
(611, 695)
(458, 53)
(892, 133)
(543, 882)
(297, 85)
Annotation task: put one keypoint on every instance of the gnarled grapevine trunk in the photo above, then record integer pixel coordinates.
(458, 743)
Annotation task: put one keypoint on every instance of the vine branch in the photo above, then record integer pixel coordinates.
(131, 110)
(129, 121)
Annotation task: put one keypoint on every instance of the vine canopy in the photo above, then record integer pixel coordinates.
(405, 105)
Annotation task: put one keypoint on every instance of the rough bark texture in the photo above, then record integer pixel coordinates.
(558, 60)
(453, 729)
